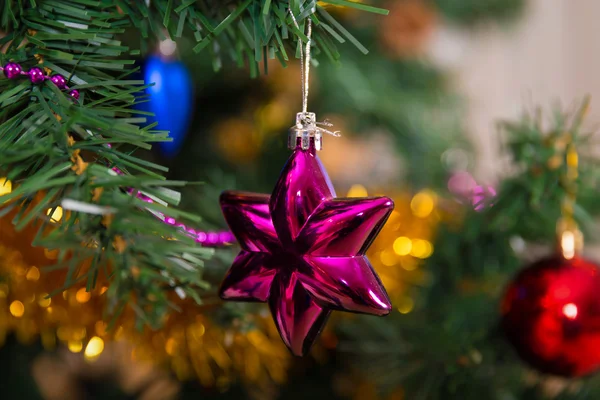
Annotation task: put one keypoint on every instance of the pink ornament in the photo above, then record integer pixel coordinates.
(463, 185)
(74, 94)
(12, 70)
(303, 250)
(480, 196)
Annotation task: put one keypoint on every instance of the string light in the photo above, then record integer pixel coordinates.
(406, 305)
(94, 348)
(83, 296)
(423, 203)
(75, 346)
(33, 274)
(44, 301)
(17, 309)
(405, 242)
(357, 191)
(421, 248)
(388, 258)
(567, 242)
(167, 47)
(5, 186)
(402, 246)
(570, 311)
(55, 214)
(409, 264)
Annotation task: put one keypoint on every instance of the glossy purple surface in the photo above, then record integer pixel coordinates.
(303, 251)
(74, 94)
(12, 70)
(36, 75)
(59, 81)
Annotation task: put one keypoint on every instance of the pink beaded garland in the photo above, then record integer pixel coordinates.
(36, 75)
(12, 70)
(59, 81)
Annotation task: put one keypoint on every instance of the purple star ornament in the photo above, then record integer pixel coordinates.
(303, 250)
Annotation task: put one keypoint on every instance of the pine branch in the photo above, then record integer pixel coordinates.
(243, 31)
(450, 345)
(55, 151)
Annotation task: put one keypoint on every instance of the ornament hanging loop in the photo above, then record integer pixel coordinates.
(570, 238)
(307, 127)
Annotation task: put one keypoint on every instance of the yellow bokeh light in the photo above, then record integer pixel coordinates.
(409, 263)
(170, 346)
(5, 186)
(358, 191)
(43, 300)
(62, 332)
(388, 258)
(197, 330)
(83, 296)
(33, 274)
(78, 333)
(406, 305)
(402, 246)
(17, 309)
(100, 327)
(55, 214)
(421, 248)
(75, 345)
(94, 348)
(423, 203)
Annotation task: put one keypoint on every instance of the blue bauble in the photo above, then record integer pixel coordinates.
(170, 99)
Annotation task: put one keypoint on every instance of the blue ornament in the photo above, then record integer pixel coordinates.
(170, 99)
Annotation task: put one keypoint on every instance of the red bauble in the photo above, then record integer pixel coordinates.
(551, 315)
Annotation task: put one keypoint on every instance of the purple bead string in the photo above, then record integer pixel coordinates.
(207, 239)
(36, 75)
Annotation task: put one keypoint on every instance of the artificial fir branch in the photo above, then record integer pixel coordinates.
(244, 31)
(61, 152)
(56, 152)
(451, 345)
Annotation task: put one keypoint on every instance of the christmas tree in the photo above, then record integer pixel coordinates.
(122, 121)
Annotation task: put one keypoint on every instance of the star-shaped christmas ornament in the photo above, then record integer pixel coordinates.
(303, 250)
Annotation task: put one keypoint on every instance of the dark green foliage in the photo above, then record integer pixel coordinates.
(43, 132)
(35, 153)
(451, 345)
(244, 31)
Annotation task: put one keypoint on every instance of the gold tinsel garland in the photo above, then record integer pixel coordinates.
(189, 342)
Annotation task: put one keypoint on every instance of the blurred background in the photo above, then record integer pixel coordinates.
(420, 120)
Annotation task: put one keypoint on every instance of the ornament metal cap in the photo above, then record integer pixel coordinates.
(306, 128)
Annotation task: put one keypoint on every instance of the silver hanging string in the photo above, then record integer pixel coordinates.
(304, 61)
(306, 124)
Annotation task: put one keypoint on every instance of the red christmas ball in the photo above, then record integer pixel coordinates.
(551, 315)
